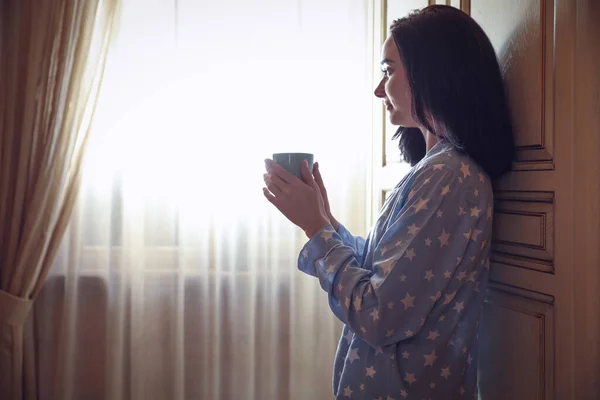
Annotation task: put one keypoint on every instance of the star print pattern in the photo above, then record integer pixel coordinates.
(410, 294)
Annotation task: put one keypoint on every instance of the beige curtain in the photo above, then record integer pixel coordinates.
(51, 60)
(176, 279)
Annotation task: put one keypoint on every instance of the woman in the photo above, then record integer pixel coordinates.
(411, 294)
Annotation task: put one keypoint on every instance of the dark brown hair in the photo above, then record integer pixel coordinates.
(455, 79)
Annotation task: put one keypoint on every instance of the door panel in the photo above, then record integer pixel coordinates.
(517, 333)
(528, 366)
(522, 32)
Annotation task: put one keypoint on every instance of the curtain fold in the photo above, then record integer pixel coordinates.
(52, 55)
(176, 279)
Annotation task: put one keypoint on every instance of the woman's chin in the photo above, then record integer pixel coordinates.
(402, 121)
(399, 121)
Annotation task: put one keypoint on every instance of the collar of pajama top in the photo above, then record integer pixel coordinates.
(410, 295)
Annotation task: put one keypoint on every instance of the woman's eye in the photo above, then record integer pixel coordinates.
(385, 72)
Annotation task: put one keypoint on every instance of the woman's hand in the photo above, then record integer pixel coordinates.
(319, 180)
(299, 200)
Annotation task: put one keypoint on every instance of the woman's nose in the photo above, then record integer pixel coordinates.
(379, 90)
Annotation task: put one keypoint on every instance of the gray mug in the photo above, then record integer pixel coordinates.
(293, 161)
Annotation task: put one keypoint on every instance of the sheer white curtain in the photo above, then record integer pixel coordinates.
(176, 278)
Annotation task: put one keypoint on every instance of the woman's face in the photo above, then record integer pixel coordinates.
(394, 88)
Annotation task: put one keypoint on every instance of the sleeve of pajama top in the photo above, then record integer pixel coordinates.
(386, 299)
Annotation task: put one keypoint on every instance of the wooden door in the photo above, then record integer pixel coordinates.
(540, 332)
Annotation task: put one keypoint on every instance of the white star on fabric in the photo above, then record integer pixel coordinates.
(461, 211)
(432, 385)
(433, 335)
(471, 276)
(460, 305)
(446, 372)
(447, 274)
(363, 329)
(349, 336)
(489, 212)
(398, 243)
(440, 213)
(449, 297)
(402, 278)
(481, 178)
(413, 229)
(353, 355)
(389, 333)
(430, 359)
(458, 260)
(383, 250)
(403, 393)
(410, 378)
(305, 253)
(386, 267)
(429, 275)
(475, 235)
(408, 301)
(460, 179)
(411, 194)
(371, 371)
(468, 234)
(446, 190)
(475, 211)
(347, 391)
(410, 254)
(347, 302)
(426, 181)
(444, 238)
(362, 387)
(438, 167)
(442, 318)
(436, 297)
(374, 314)
(340, 287)
(421, 205)
(428, 242)
(465, 169)
(330, 269)
(406, 354)
(461, 275)
(408, 332)
(391, 305)
(327, 235)
(476, 193)
(357, 303)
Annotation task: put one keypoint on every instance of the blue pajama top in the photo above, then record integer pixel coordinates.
(411, 293)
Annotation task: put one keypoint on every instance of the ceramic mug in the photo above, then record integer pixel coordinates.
(293, 161)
